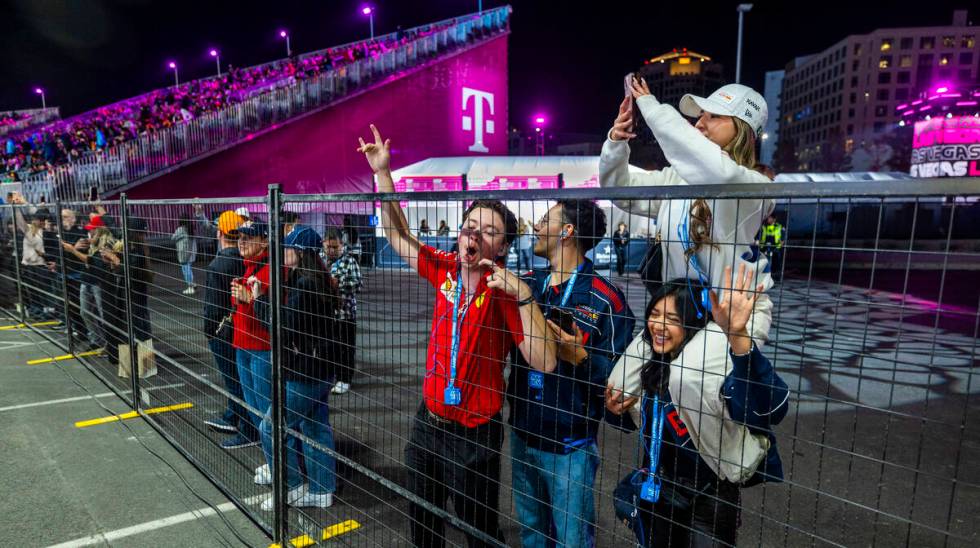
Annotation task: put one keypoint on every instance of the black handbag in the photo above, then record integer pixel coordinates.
(651, 267)
(629, 506)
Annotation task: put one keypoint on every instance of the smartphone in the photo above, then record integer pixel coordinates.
(628, 84)
(564, 319)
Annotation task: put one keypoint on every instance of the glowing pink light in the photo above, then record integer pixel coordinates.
(282, 34)
(952, 95)
(966, 103)
(917, 102)
(908, 112)
(38, 91)
(942, 89)
(172, 65)
(902, 107)
(214, 53)
(925, 108)
(366, 10)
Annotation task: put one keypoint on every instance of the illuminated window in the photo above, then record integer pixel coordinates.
(967, 42)
(885, 61)
(949, 41)
(927, 43)
(886, 44)
(905, 61)
(943, 60)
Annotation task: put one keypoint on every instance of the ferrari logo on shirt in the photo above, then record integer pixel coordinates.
(480, 299)
(448, 288)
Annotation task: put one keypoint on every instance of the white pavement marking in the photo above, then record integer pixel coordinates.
(80, 398)
(110, 536)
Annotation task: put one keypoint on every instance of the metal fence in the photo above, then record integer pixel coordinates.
(874, 322)
(107, 171)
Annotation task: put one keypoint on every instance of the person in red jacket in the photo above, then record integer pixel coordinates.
(251, 339)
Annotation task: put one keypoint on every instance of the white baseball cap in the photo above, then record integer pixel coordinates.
(734, 100)
(243, 211)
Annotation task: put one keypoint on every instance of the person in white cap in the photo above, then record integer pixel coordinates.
(700, 238)
(243, 212)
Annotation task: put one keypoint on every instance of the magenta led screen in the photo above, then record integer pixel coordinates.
(455, 106)
(947, 147)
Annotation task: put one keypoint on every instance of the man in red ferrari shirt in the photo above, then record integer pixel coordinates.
(482, 312)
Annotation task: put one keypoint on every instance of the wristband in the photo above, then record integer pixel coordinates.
(526, 301)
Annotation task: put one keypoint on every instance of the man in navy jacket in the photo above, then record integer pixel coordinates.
(555, 416)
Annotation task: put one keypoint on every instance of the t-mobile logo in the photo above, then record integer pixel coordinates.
(481, 126)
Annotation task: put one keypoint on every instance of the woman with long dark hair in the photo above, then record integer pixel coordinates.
(309, 302)
(681, 500)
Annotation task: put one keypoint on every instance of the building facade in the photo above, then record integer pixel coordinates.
(845, 97)
(678, 72)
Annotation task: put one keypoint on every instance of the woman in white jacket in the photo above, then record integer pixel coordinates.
(700, 237)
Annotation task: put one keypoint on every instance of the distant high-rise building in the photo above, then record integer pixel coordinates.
(676, 73)
(844, 97)
(770, 133)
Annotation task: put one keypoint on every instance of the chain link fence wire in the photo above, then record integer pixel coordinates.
(323, 412)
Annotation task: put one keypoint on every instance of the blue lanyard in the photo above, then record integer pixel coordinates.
(568, 289)
(457, 328)
(650, 489)
(684, 235)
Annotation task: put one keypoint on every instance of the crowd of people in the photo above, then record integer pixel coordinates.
(40, 148)
(695, 383)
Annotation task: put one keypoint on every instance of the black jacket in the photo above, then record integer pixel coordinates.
(225, 267)
(309, 346)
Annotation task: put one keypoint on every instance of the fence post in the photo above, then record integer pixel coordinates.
(17, 273)
(127, 276)
(64, 278)
(278, 400)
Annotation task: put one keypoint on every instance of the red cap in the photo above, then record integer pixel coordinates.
(95, 222)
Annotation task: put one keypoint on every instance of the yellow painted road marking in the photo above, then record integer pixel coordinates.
(65, 357)
(133, 415)
(23, 325)
(328, 533)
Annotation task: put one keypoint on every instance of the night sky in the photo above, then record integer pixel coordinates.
(566, 58)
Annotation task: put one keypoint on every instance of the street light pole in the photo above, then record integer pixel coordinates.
(39, 91)
(173, 65)
(369, 11)
(742, 10)
(289, 50)
(217, 60)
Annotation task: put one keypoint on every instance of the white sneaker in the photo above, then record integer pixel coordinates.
(341, 388)
(189, 291)
(263, 475)
(314, 500)
(293, 495)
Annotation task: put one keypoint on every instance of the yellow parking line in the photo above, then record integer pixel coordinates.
(65, 357)
(133, 415)
(328, 533)
(23, 325)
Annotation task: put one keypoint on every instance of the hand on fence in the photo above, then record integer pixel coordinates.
(506, 281)
(622, 129)
(378, 153)
(733, 311)
(571, 347)
(240, 293)
(616, 401)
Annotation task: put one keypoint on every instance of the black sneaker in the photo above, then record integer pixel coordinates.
(238, 441)
(220, 424)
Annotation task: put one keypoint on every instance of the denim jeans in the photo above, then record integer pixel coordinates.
(306, 412)
(235, 414)
(188, 272)
(90, 302)
(553, 496)
(255, 373)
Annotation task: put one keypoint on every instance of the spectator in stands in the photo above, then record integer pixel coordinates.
(308, 356)
(621, 243)
(698, 239)
(345, 276)
(443, 229)
(696, 505)
(251, 338)
(226, 267)
(186, 244)
(424, 229)
(555, 416)
(454, 447)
